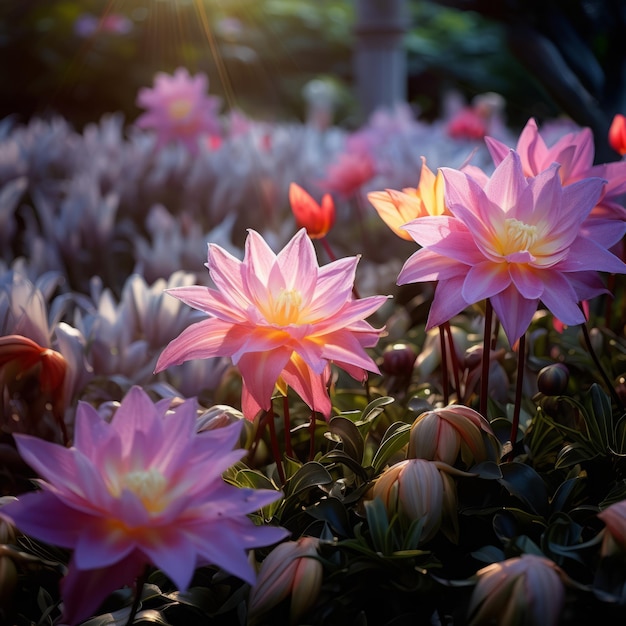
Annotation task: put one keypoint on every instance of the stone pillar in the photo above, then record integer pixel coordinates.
(380, 64)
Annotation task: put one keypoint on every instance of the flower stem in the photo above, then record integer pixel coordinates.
(287, 426)
(484, 376)
(519, 383)
(603, 374)
(454, 360)
(141, 581)
(275, 446)
(444, 366)
(312, 437)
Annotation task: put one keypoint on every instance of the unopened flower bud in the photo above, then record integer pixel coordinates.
(614, 539)
(291, 569)
(522, 591)
(398, 360)
(418, 490)
(445, 434)
(552, 379)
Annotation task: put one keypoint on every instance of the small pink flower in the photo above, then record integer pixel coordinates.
(467, 123)
(279, 317)
(145, 488)
(516, 241)
(179, 109)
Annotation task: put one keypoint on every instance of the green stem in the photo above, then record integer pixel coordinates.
(287, 426)
(444, 366)
(484, 375)
(519, 383)
(275, 446)
(596, 360)
(454, 360)
(141, 581)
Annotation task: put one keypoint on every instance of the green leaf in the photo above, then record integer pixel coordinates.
(311, 474)
(378, 524)
(394, 439)
(523, 482)
(599, 412)
(351, 438)
(573, 454)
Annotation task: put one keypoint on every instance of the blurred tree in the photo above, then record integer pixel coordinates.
(576, 51)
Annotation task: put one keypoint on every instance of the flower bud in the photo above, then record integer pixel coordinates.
(418, 490)
(552, 379)
(318, 219)
(398, 360)
(291, 568)
(614, 538)
(522, 591)
(444, 434)
(617, 134)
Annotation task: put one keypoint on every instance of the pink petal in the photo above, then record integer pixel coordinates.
(614, 173)
(447, 301)
(333, 288)
(309, 385)
(258, 259)
(352, 312)
(506, 185)
(84, 591)
(343, 346)
(298, 264)
(562, 300)
(100, 544)
(485, 280)
(527, 281)
(229, 306)
(260, 371)
(514, 312)
(45, 516)
(425, 265)
(497, 150)
(606, 232)
(586, 254)
(532, 149)
(202, 340)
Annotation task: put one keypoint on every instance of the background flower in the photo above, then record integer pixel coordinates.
(179, 109)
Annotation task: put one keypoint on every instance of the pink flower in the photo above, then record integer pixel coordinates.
(516, 241)
(144, 488)
(467, 123)
(178, 109)
(349, 172)
(574, 152)
(279, 316)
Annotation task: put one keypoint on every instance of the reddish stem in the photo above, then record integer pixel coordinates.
(484, 376)
(519, 383)
(287, 426)
(444, 366)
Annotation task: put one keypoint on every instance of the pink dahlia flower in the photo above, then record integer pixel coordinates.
(516, 241)
(575, 153)
(279, 316)
(179, 109)
(145, 488)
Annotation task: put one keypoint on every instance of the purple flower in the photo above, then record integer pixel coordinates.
(145, 488)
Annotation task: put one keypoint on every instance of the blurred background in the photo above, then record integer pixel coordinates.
(82, 58)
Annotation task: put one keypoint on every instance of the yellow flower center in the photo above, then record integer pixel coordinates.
(519, 236)
(149, 486)
(179, 109)
(286, 308)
